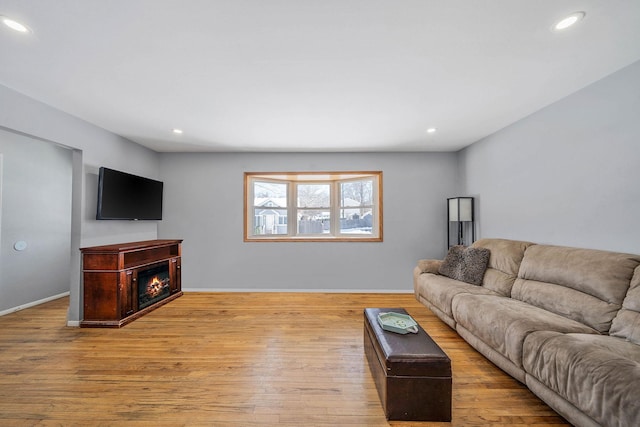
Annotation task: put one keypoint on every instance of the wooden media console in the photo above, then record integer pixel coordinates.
(125, 281)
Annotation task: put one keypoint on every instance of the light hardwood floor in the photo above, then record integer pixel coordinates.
(232, 359)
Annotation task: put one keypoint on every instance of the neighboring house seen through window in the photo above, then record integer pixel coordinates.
(313, 206)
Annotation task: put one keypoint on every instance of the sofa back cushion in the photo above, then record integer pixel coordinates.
(585, 285)
(626, 324)
(504, 263)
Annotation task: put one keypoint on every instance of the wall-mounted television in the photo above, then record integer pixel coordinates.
(125, 196)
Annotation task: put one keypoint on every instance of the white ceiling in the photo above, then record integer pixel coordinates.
(310, 75)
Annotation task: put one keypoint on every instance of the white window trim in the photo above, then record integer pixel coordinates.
(293, 178)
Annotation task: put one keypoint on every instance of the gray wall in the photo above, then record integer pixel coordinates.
(204, 206)
(92, 147)
(36, 209)
(567, 174)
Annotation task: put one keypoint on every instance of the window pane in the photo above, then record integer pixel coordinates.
(313, 195)
(269, 194)
(269, 221)
(356, 224)
(314, 221)
(356, 193)
(356, 207)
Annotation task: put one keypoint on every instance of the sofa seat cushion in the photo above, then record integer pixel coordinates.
(598, 374)
(504, 323)
(440, 290)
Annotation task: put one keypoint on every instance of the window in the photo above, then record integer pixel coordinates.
(313, 206)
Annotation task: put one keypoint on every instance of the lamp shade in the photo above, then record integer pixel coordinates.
(461, 209)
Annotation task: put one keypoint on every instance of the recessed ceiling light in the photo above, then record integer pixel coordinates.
(177, 131)
(431, 130)
(14, 25)
(569, 21)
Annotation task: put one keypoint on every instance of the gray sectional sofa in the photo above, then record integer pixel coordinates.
(564, 321)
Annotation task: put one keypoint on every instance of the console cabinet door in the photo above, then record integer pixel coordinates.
(175, 275)
(128, 293)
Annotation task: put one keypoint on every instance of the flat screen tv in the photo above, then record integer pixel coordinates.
(128, 197)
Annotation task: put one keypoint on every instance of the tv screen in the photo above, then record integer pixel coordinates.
(125, 196)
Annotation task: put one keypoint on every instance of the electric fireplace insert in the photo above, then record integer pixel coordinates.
(153, 284)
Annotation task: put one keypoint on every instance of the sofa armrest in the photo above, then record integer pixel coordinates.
(429, 265)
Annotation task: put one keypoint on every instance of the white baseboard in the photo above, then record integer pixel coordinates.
(323, 291)
(33, 304)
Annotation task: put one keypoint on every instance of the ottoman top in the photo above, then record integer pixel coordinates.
(410, 354)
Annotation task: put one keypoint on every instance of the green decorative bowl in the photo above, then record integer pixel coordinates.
(398, 323)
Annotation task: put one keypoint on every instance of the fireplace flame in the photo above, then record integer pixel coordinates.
(154, 288)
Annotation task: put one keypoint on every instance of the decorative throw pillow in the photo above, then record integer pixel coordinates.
(465, 264)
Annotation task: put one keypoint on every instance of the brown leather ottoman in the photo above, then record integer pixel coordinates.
(412, 374)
